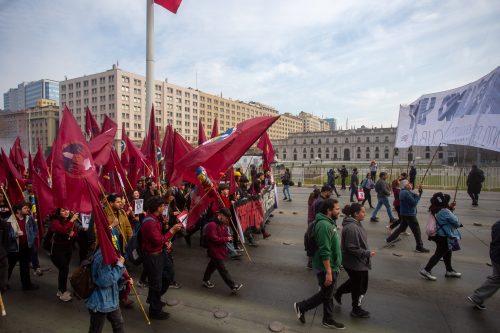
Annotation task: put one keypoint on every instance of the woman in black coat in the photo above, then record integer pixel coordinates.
(474, 183)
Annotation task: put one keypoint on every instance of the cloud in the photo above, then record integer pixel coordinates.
(356, 59)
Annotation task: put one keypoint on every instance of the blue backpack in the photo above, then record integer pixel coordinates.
(133, 251)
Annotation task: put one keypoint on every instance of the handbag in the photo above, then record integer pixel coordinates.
(361, 195)
(453, 244)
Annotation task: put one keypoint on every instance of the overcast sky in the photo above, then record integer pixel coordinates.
(355, 59)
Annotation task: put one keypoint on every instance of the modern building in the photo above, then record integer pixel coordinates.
(38, 124)
(311, 123)
(361, 144)
(121, 95)
(26, 95)
(332, 122)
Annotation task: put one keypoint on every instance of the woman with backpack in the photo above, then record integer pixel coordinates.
(447, 233)
(64, 231)
(367, 184)
(356, 259)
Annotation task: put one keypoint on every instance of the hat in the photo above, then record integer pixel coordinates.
(225, 211)
(439, 200)
(326, 188)
(237, 174)
(403, 183)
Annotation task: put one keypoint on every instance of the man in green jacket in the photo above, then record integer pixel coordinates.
(326, 263)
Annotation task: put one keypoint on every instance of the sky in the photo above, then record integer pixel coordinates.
(355, 60)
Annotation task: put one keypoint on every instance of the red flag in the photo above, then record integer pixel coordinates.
(215, 129)
(125, 156)
(168, 140)
(179, 148)
(100, 146)
(91, 126)
(73, 167)
(217, 155)
(136, 161)
(201, 133)
(171, 5)
(14, 180)
(43, 195)
(267, 151)
(17, 155)
(102, 230)
(40, 165)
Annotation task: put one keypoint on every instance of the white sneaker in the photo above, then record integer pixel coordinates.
(453, 274)
(66, 296)
(427, 275)
(59, 293)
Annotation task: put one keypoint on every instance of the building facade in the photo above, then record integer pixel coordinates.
(26, 95)
(311, 123)
(332, 122)
(355, 145)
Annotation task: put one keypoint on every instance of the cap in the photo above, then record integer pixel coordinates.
(237, 174)
(326, 188)
(439, 200)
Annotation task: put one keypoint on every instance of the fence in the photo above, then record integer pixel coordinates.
(437, 177)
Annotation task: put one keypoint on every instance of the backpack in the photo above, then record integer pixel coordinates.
(432, 226)
(133, 251)
(310, 245)
(81, 280)
(203, 237)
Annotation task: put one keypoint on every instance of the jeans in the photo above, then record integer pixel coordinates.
(357, 285)
(473, 196)
(97, 321)
(324, 296)
(489, 287)
(442, 251)
(61, 257)
(383, 201)
(24, 258)
(35, 263)
(286, 192)
(368, 196)
(159, 270)
(354, 192)
(408, 221)
(216, 264)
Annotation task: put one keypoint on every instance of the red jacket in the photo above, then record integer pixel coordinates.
(61, 229)
(153, 239)
(217, 235)
(396, 191)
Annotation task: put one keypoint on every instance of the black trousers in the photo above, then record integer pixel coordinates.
(343, 183)
(24, 258)
(97, 320)
(217, 264)
(159, 270)
(408, 221)
(474, 196)
(324, 296)
(368, 196)
(374, 175)
(61, 257)
(357, 285)
(442, 251)
(396, 223)
(83, 245)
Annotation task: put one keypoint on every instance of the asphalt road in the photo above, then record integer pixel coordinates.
(398, 299)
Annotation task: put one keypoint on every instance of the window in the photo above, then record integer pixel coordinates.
(311, 155)
(376, 139)
(367, 139)
(346, 140)
(304, 153)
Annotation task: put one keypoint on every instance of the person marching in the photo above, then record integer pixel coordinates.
(367, 184)
(475, 181)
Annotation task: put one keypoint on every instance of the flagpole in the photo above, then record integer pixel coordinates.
(149, 61)
(7, 198)
(428, 167)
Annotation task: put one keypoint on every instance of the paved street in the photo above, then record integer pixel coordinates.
(398, 299)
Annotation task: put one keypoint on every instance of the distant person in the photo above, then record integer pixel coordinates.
(413, 175)
(285, 180)
(331, 180)
(325, 193)
(354, 184)
(343, 175)
(383, 193)
(475, 181)
(367, 185)
(373, 169)
(492, 283)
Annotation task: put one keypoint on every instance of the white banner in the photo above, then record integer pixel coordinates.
(469, 115)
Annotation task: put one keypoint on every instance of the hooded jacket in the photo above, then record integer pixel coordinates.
(327, 240)
(355, 252)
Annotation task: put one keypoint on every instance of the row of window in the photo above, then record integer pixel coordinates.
(93, 82)
(336, 140)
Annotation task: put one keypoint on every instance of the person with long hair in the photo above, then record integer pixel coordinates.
(367, 184)
(310, 217)
(447, 225)
(356, 256)
(65, 231)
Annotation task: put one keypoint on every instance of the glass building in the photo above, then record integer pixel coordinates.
(26, 94)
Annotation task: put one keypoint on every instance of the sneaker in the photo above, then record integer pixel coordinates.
(159, 316)
(338, 299)
(393, 221)
(360, 313)
(59, 293)
(406, 233)
(477, 305)
(374, 219)
(290, 200)
(266, 235)
(236, 287)
(175, 285)
(300, 314)
(333, 324)
(66, 296)
(208, 284)
(38, 272)
(236, 256)
(427, 275)
(422, 250)
(453, 274)
(142, 284)
(285, 199)
(309, 267)
(239, 249)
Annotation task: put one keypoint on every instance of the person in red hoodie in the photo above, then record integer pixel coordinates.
(157, 263)
(217, 236)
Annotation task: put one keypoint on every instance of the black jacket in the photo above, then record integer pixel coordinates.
(475, 180)
(495, 243)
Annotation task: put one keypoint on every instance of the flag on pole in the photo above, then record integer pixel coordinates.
(17, 155)
(201, 133)
(13, 180)
(39, 164)
(215, 129)
(171, 5)
(135, 161)
(100, 146)
(43, 195)
(267, 151)
(91, 126)
(177, 150)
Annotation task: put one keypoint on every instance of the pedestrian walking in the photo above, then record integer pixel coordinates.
(396, 189)
(492, 283)
(310, 217)
(383, 193)
(413, 175)
(354, 184)
(326, 261)
(475, 181)
(367, 185)
(285, 180)
(356, 259)
(447, 225)
(326, 192)
(331, 181)
(343, 175)
(408, 201)
(373, 169)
